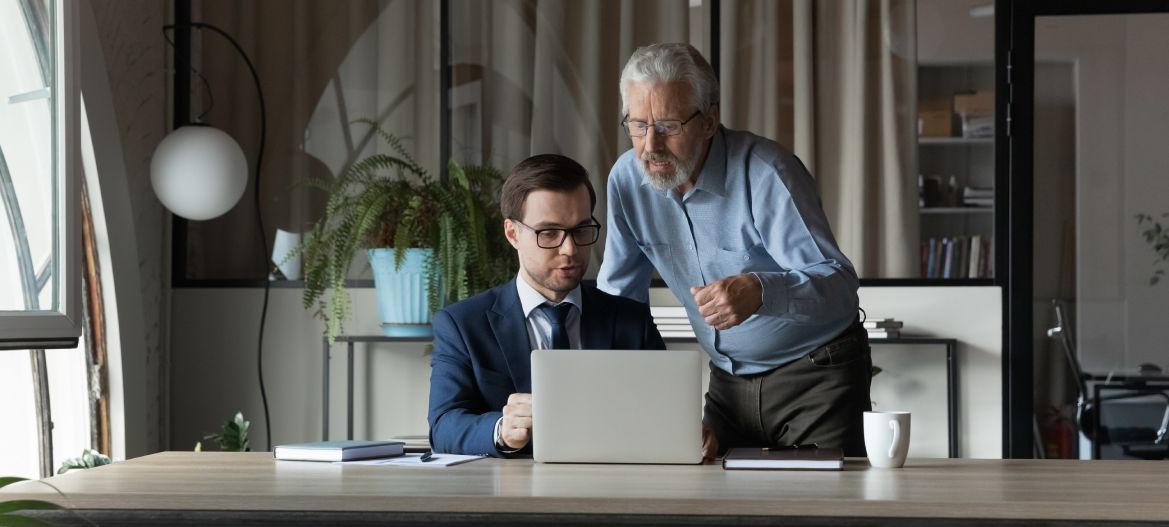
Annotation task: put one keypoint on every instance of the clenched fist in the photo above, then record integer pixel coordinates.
(516, 428)
(728, 302)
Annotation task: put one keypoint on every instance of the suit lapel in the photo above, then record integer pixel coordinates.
(511, 333)
(596, 321)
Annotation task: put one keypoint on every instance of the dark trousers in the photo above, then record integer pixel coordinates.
(820, 398)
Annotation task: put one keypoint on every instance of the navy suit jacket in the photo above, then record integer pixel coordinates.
(482, 356)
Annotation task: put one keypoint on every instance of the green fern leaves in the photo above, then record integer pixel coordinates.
(389, 200)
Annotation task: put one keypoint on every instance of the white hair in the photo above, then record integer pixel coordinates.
(662, 63)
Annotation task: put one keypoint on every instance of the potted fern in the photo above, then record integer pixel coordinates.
(429, 242)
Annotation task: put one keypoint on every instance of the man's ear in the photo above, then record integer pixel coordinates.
(511, 233)
(713, 118)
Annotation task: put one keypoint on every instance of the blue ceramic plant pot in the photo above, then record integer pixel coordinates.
(401, 292)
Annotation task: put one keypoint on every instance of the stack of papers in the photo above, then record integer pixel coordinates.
(415, 460)
(672, 321)
(887, 328)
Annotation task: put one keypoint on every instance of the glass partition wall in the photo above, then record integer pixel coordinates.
(1100, 249)
(888, 111)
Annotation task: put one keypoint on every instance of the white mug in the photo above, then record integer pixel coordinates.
(887, 438)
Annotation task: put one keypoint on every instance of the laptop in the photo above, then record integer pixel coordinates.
(617, 406)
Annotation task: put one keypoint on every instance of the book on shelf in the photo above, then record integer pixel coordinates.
(963, 267)
(948, 259)
(978, 197)
(886, 323)
(785, 458)
(975, 256)
(884, 333)
(344, 450)
(957, 257)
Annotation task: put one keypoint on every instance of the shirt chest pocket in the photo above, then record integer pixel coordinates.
(730, 262)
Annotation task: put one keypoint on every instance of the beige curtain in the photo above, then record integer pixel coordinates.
(836, 81)
(541, 76)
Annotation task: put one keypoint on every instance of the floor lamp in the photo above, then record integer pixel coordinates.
(199, 172)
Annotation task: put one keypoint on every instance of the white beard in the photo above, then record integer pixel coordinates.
(666, 180)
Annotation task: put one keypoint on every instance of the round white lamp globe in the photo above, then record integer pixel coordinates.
(199, 172)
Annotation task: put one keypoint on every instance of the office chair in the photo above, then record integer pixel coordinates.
(1087, 408)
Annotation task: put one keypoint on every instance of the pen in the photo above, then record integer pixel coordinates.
(791, 447)
(428, 456)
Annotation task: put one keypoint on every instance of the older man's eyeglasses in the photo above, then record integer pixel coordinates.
(666, 127)
(553, 238)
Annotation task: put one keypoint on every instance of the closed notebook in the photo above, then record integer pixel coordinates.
(339, 450)
(788, 458)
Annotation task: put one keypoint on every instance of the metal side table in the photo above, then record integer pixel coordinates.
(350, 340)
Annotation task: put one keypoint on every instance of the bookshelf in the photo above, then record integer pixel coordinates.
(956, 171)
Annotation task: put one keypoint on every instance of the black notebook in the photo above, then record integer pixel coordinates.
(785, 458)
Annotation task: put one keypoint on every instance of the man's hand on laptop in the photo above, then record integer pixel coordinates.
(709, 444)
(516, 429)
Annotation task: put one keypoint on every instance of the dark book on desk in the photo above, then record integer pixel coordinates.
(787, 458)
(339, 450)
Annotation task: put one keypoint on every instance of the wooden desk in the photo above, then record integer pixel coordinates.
(200, 488)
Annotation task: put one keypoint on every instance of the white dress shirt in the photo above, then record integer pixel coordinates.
(540, 329)
(538, 323)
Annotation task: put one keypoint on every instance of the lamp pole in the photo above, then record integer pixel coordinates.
(186, 25)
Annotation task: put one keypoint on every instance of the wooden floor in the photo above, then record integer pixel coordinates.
(192, 488)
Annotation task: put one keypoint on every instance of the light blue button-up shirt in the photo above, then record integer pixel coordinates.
(754, 209)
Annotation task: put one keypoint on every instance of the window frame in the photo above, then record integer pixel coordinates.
(59, 327)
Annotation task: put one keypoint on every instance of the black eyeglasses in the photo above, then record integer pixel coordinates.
(552, 238)
(665, 127)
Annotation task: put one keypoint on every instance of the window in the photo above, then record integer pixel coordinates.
(39, 277)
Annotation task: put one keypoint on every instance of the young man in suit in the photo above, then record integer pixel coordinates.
(480, 382)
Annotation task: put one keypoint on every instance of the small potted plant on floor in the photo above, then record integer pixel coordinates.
(429, 242)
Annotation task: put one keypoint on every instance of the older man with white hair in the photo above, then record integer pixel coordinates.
(733, 224)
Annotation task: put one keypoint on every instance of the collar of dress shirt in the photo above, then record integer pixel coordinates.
(713, 177)
(531, 299)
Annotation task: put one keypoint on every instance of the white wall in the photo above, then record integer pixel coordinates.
(124, 87)
(213, 356)
(947, 34)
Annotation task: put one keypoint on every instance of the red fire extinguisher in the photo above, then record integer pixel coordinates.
(1059, 435)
